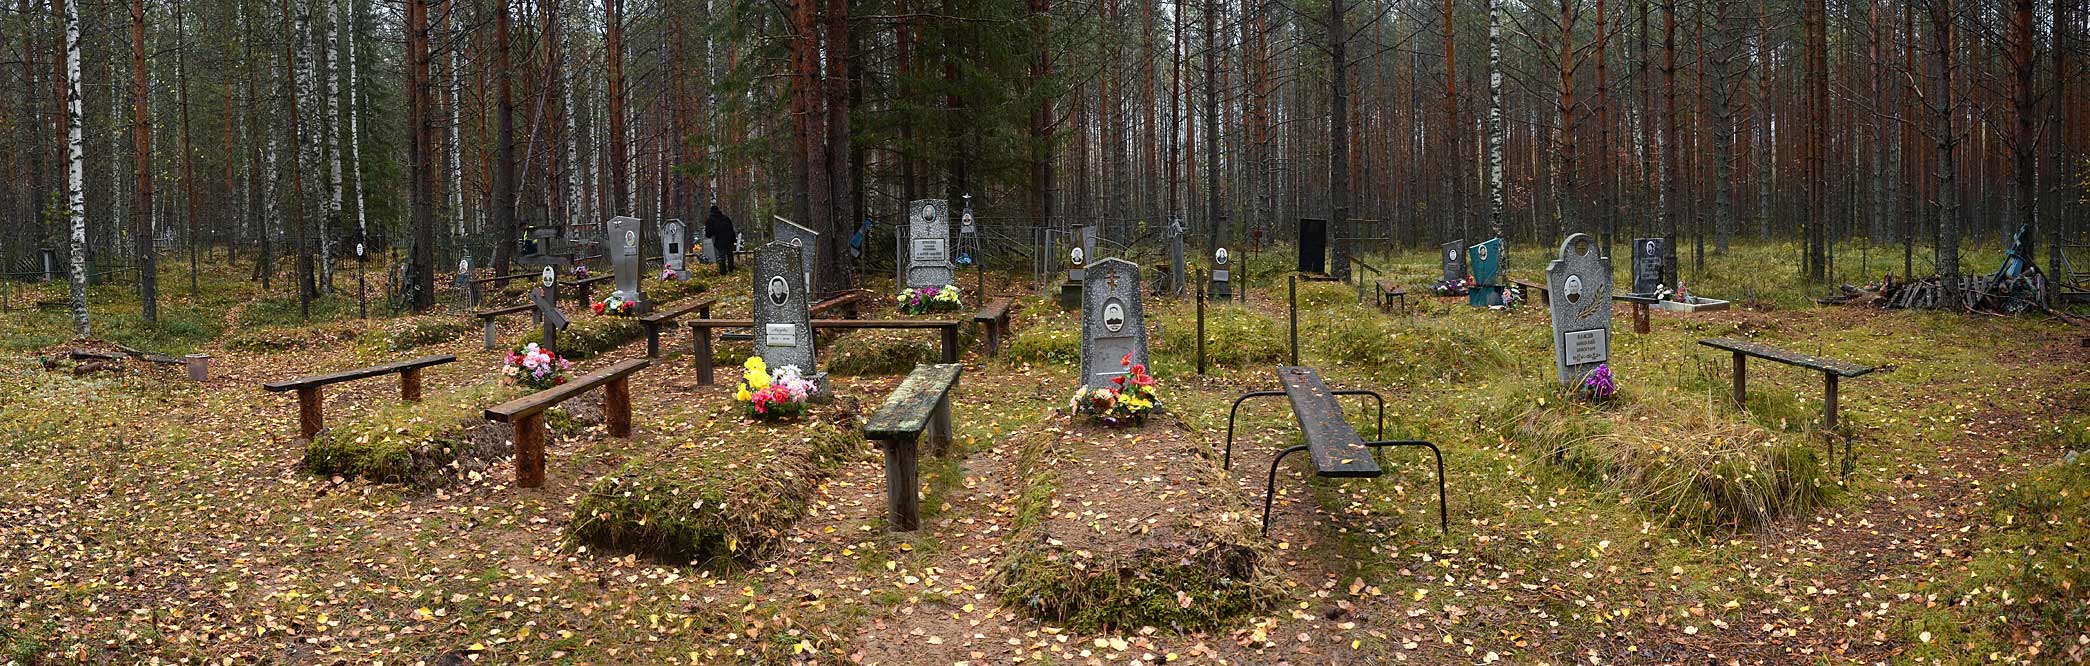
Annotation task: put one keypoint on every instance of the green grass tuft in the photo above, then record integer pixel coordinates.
(590, 336)
(413, 443)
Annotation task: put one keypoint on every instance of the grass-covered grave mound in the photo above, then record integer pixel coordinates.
(1126, 528)
(725, 491)
(590, 336)
(421, 444)
(878, 351)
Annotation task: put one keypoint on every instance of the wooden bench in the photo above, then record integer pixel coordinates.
(1544, 297)
(1831, 370)
(701, 335)
(995, 318)
(666, 316)
(527, 413)
(1388, 291)
(586, 287)
(311, 418)
(920, 405)
(1335, 447)
(846, 302)
(488, 317)
(1640, 304)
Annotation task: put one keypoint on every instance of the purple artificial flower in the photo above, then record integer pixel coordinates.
(1599, 383)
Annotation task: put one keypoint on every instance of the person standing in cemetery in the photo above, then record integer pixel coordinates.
(723, 237)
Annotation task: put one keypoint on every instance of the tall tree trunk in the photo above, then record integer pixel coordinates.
(1605, 192)
(1498, 133)
(1041, 190)
(75, 164)
(2024, 145)
(620, 150)
(141, 132)
(420, 153)
(1215, 216)
(188, 161)
(506, 229)
(355, 139)
(297, 170)
(834, 269)
(1564, 132)
(1943, 18)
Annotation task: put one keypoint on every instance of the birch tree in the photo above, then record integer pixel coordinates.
(75, 166)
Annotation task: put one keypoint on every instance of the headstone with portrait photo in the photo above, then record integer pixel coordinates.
(929, 244)
(1580, 281)
(1113, 322)
(783, 326)
(622, 245)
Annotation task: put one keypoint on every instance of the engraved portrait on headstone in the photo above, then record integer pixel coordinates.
(929, 244)
(1113, 322)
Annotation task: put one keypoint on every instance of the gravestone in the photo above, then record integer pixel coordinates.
(622, 244)
(1580, 284)
(929, 244)
(1070, 291)
(783, 328)
(1113, 322)
(546, 298)
(1650, 256)
(1455, 260)
(707, 248)
(1222, 275)
(1486, 261)
(674, 239)
(1313, 245)
(807, 240)
(1175, 257)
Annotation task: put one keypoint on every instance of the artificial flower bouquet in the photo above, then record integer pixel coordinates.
(1127, 401)
(669, 274)
(781, 395)
(617, 304)
(1598, 385)
(929, 299)
(1456, 287)
(580, 272)
(534, 367)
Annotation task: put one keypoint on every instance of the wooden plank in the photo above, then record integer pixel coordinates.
(537, 402)
(911, 405)
(675, 311)
(996, 310)
(359, 373)
(837, 323)
(1767, 352)
(512, 309)
(1337, 449)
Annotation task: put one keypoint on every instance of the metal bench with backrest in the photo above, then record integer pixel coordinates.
(666, 316)
(1335, 447)
(311, 418)
(920, 406)
(527, 413)
(995, 318)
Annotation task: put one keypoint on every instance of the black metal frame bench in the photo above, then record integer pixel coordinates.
(527, 413)
(1336, 448)
(1831, 370)
(311, 415)
(487, 317)
(995, 318)
(666, 316)
(700, 335)
(920, 405)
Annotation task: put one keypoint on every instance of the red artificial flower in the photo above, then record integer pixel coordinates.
(1143, 379)
(1119, 380)
(598, 308)
(1127, 360)
(1139, 369)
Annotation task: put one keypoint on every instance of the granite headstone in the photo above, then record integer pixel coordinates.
(1175, 257)
(1649, 257)
(807, 240)
(1222, 275)
(674, 242)
(929, 244)
(783, 327)
(623, 247)
(1113, 322)
(1486, 261)
(1455, 260)
(1580, 282)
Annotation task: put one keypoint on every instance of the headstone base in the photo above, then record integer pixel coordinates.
(1482, 296)
(1070, 295)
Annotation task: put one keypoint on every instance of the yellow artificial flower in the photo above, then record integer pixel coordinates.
(744, 395)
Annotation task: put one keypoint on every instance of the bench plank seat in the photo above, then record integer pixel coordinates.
(1767, 352)
(995, 318)
(359, 373)
(920, 404)
(527, 413)
(664, 316)
(497, 312)
(1336, 448)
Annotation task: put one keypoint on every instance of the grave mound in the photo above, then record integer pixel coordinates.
(710, 499)
(422, 444)
(1132, 528)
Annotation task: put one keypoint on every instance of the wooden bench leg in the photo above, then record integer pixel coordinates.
(950, 344)
(310, 418)
(700, 339)
(410, 385)
(652, 339)
(1828, 408)
(1640, 324)
(939, 431)
(489, 333)
(993, 340)
(902, 486)
(616, 406)
(529, 451)
(1741, 380)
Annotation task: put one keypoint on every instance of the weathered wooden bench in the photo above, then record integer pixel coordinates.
(701, 335)
(527, 413)
(1831, 370)
(311, 418)
(1640, 304)
(487, 318)
(1388, 292)
(845, 302)
(666, 316)
(1335, 447)
(920, 405)
(584, 288)
(995, 318)
(1545, 297)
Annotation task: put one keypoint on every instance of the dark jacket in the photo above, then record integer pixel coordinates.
(720, 229)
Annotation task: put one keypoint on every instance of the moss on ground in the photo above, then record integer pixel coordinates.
(711, 501)
(411, 333)
(416, 443)
(591, 336)
(1201, 567)
(1051, 338)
